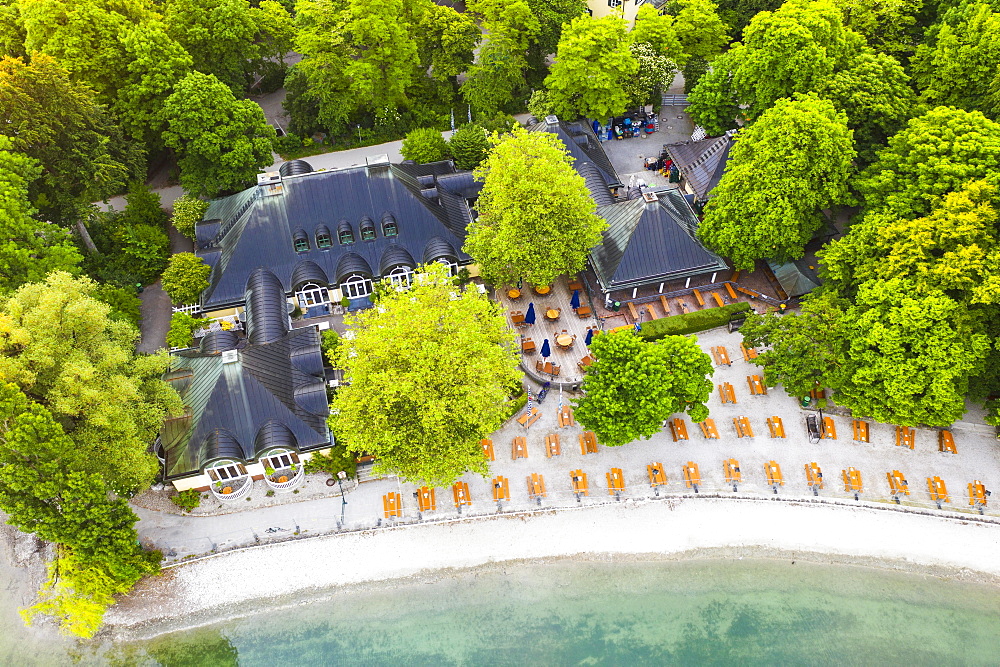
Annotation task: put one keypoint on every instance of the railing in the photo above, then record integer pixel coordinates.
(216, 325)
(237, 493)
(284, 487)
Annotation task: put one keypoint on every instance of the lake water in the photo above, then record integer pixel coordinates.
(699, 612)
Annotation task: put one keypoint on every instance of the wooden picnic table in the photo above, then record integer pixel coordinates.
(756, 384)
(905, 436)
(392, 505)
(852, 480)
(575, 285)
(426, 499)
(513, 293)
(773, 473)
(946, 442)
(519, 448)
(726, 393)
(777, 428)
(814, 476)
(460, 492)
(588, 443)
(542, 290)
(748, 352)
(584, 311)
(656, 475)
(692, 476)
(552, 445)
(829, 429)
(578, 478)
(708, 429)
(565, 416)
(529, 417)
(721, 355)
(936, 487)
(501, 488)
(742, 425)
(731, 467)
(536, 486)
(730, 290)
(718, 299)
(552, 314)
(698, 297)
(897, 483)
(487, 446)
(860, 431)
(977, 493)
(678, 429)
(616, 481)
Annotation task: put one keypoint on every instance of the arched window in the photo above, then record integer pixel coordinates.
(301, 241)
(367, 229)
(447, 261)
(323, 239)
(345, 233)
(311, 294)
(389, 228)
(356, 286)
(401, 276)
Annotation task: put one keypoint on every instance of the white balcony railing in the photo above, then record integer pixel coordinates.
(293, 482)
(240, 488)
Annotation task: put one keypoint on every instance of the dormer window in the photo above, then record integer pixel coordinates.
(323, 239)
(367, 229)
(389, 228)
(301, 241)
(345, 234)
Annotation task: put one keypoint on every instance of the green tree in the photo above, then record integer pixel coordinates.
(28, 249)
(738, 13)
(185, 278)
(145, 250)
(125, 305)
(526, 231)
(634, 385)
(551, 15)
(592, 61)
(469, 146)
(700, 30)
(961, 66)
(890, 26)
(782, 172)
(188, 212)
(425, 145)
(182, 328)
(498, 78)
(714, 104)
(658, 30)
(61, 347)
(222, 142)
(60, 124)
(430, 371)
(936, 153)
(654, 77)
(142, 207)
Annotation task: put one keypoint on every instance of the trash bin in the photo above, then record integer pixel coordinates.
(616, 306)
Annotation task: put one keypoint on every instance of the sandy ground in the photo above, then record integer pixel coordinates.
(229, 584)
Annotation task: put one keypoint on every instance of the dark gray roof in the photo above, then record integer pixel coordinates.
(295, 168)
(350, 263)
(702, 163)
(581, 142)
(217, 342)
(272, 394)
(252, 231)
(394, 256)
(308, 271)
(438, 247)
(650, 242)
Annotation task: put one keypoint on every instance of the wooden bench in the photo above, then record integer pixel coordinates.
(721, 355)
(726, 393)
(708, 429)
(852, 480)
(616, 481)
(656, 475)
(742, 425)
(748, 352)
(938, 490)
(814, 476)
(552, 445)
(897, 483)
(698, 297)
(519, 448)
(565, 416)
(536, 486)
(678, 429)
(578, 479)
(776, 427)
(487, 446)
(651, 311)
(633, 311)
(460, 493)
(829, 428)
(692, 476)
(718, 299)
(392, 505)
(588, 443)
(665, 305)
(946, 442)
(731, 467)
(773, 473)
(501, 488)
(731, 291)
(905, 436)
(426, 499)
(860, 431)
(529, 417)
(977, 493)
(756, 385)
(748, 292)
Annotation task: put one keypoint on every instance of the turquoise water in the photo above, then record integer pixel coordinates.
(702, 612)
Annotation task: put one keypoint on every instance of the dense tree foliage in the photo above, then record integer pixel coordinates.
(653, 78)
(713, 102)
(429, 374)
(524, 231)
(782, 172)
(469, 146)
(185, 278)
(634, 385)
(499, 75)
(188, 212)
(424, 145)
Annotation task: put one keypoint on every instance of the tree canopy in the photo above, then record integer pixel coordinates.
(185, 278)
(527, 231)
(188, 212)
(782, 172)
(424, 145)
(634, 385)
(469, 146)
(429, 374)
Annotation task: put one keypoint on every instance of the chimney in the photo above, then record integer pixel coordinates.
(270, 183)
(552, 120)
(652, 201)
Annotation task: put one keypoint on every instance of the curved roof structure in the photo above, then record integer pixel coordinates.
(295, 168)
(271, 435)
(395, 255)
(351, 263)
(266, 309)
(217, 342)
(595, 182)
(308, 271)
(345, 226)
(220, 443)
(436, 248)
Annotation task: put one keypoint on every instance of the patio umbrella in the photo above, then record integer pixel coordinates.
(545, 349)
(574, 302)
(529, 317)
(590, 337)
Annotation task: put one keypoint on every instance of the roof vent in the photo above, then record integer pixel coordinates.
(230, 356)
(270, 183)
(650, 197)
(552, 120)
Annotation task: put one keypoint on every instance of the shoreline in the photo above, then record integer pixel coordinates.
(232, 584)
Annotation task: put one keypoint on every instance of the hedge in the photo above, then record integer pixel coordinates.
(699, 320)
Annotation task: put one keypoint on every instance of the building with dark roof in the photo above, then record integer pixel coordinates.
(331, 234)
(255, 407)
(651, 237)
(701, 164)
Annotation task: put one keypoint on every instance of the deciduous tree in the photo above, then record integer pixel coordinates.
(524, 230)
(654, 77)
(890, 26)
(185, 278)
(188, 212)
(656, 29)
(429, 373)
(634, 385)
(700, 30)
(714, 104)
(782, 172)
(222, 142)
(469, 146)
(592, 61)
(425, 145)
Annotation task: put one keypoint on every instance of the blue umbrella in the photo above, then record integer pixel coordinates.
(529, 317)
(545, 349)
(597, 128)
(590, 337)
(574, 303)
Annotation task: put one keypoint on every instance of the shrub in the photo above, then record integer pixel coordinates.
(188, 212)
(146, 251)
(182, 328)
(185, 277)
(125, 305)
(469, 146)
(187, 500)
(499, 122)
(517, 403)
(338, 459)
(142, 207)
(330, 340)
(540, 104)
(424, 145)
(700, 320)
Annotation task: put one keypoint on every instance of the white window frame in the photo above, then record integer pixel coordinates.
(401, 276)
(308, 293)
(452, 266)
(356, 286)
(232, 470)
